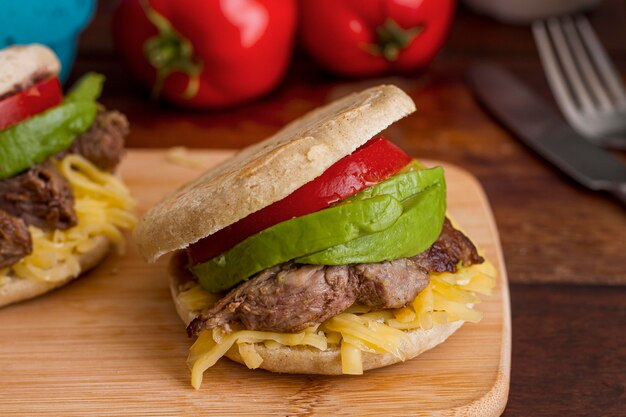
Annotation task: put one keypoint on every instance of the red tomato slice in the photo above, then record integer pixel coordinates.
(373, 162)
(27, 103)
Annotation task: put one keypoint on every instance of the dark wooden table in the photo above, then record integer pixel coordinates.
(569, 341)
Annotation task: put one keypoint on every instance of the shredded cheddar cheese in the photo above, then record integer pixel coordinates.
(193, 297)
(447, 298)
(103, 206)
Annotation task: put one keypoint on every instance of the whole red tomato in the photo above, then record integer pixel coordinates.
(208, 53)
(370, 37)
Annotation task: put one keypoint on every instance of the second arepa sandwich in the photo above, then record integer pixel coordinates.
(62, 209)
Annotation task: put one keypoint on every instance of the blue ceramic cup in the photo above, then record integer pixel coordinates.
(55, 23)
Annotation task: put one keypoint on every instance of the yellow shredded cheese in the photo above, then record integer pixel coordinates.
(250, 356)
(447, 298)
(103, 206)
(351, 361)
(193, 297)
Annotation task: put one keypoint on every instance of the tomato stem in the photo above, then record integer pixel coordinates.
(391, 39)
(169, 51)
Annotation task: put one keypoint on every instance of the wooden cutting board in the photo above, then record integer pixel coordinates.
(111, 343)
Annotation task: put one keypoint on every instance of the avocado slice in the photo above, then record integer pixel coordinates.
(399, 217)
(424, 206)
(32, 141)
(415, 231)
(297, 237)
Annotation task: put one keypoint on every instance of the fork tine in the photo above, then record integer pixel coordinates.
(602, 60)
(553, 72)
(565, 56)
(582, 59)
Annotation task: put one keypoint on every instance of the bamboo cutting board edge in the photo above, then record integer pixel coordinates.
(50, 370)
(494, 401)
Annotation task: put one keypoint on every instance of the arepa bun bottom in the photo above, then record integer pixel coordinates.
(18, 289)
(308, 360)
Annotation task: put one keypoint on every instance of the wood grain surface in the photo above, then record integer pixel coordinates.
(112, 344)
(568, 353)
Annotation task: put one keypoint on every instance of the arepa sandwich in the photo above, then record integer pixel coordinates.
(324, 249)
(61, 207)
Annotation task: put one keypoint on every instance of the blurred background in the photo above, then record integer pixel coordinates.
(554, 232)
(305, 85)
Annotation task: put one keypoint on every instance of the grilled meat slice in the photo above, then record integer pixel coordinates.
(103, 143)
(291, 297)
(15, 240)
(451, 247)
(275, 298)
(390, 284)
(41, 196)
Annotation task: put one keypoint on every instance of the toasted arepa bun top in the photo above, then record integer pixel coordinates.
(268, 171)
(22, 64)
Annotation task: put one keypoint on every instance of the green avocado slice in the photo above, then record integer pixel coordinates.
(404, 185)
(297, 237)
(423, 192)
(32, 141)
(333, 232)
(87, 88)
(414, 232)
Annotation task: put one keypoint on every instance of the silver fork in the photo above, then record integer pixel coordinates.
(583, 79)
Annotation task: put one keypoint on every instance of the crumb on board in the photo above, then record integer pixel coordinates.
(179, 155)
